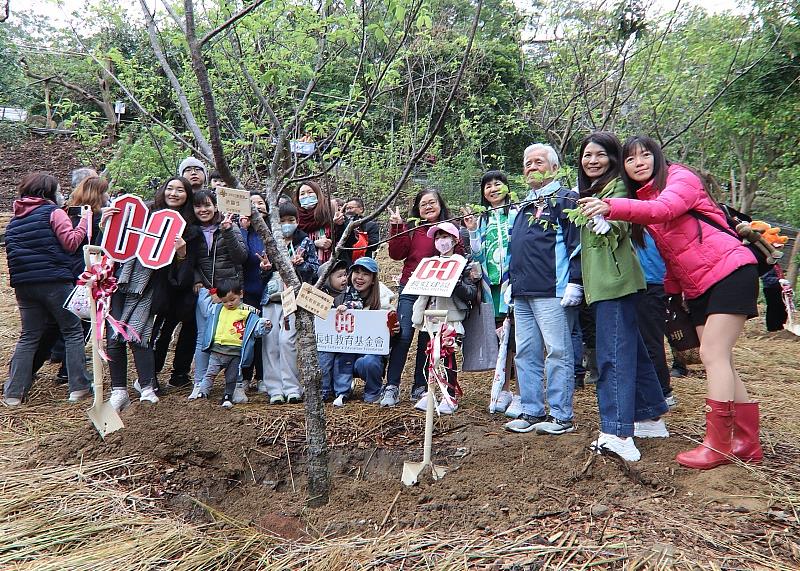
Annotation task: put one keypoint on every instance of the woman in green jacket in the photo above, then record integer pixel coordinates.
(629, 395)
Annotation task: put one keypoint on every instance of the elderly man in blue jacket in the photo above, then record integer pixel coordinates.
(545, 277)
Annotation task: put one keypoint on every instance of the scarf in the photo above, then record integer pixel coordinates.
(306, 221)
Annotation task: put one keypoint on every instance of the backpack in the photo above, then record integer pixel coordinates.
(733, 218)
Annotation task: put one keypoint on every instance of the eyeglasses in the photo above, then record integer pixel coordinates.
(193, 169)
(429, 203)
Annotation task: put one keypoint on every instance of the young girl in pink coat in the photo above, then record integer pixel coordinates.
(717, 276)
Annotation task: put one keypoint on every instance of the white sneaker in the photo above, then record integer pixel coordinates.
(422, 403)
(514, 410)
(137, 387)
(339, 401)
(262, 387)
(119, 399)
(650, 429)
(671, 401)
(502, 403)
(391, 396)
(11, 401)
(197, 393)
(77, 396)
(622, 447)
(239, 396)
(276, 399)
(446, 408)
(148, 395)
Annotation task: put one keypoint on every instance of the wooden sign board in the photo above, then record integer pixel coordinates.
(436, 276)
(363, 332)
(314, 300)
(288, 301)
(234, 201)
(135, 232)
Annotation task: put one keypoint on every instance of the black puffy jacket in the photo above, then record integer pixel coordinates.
(223, 261)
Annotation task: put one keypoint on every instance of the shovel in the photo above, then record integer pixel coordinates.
(788, 301)
(102, 414)
(434, 319)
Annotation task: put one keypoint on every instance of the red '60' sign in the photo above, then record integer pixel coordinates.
(136, 233)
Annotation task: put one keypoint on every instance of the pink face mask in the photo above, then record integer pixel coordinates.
(443, 245)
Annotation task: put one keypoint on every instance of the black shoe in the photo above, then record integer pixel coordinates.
(418, 392)
(178, 380)
(678, 372)
(579, 381)
(61, 375)
(227, 401)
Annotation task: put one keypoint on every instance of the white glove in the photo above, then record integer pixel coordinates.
(573, 295)
(600, 225)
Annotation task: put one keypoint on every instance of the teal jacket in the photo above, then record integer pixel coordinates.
(609, 264)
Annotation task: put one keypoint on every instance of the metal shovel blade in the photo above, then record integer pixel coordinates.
(105, 419)
(412, 470)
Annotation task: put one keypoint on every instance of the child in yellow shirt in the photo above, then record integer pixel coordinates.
(231, 330)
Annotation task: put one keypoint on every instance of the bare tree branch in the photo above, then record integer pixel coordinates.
(6, 11)
(229, 22)
(201, 72)
(184, 108)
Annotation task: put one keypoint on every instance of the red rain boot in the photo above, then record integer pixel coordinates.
(745, 444)
(716, 446)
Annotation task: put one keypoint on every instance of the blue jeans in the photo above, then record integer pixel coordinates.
(370, 368)
(337, 373)
(39, 304)
(402, 344)
(543, 326)
(200, 356)
(628, 389)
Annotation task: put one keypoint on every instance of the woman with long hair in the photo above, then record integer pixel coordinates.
(318, 218)
(410, 243)
(629, 394)
(176, 194)
(40, 241)
(717, 276)
(217, 252)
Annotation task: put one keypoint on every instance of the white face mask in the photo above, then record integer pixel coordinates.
(443, 245)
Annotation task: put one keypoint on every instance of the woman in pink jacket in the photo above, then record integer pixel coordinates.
(717, 276)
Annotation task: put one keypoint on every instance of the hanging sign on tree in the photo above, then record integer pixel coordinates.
(135, 232)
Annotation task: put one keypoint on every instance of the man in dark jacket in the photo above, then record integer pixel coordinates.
(368, 234)
(545, 275)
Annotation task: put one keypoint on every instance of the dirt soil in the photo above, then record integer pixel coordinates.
(199, 459)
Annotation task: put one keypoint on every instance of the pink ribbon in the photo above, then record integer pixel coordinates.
(102, 284)
(447, 343)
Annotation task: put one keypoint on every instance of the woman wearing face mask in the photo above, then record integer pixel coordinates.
(316, 218)
(176, 194)
(411, 246)
(629, 393)
(717, 277)
(40, 240)
(217, 253)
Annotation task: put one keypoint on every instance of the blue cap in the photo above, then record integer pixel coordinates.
(367, 263)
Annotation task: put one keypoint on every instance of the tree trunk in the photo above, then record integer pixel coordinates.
(308, 364)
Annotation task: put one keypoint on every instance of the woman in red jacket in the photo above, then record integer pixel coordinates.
(717, 276)
(429, 208)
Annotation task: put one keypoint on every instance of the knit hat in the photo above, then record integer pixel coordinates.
(193, 162)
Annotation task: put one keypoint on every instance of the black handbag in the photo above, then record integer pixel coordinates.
(680, 332)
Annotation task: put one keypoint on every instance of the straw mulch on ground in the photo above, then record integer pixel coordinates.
(194, 486)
